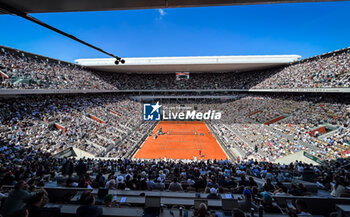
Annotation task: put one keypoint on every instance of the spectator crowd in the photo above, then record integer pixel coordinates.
(29, 170)
(32, 122)
(112, 125)
(258, 130)
(246, 128)
(22, 70)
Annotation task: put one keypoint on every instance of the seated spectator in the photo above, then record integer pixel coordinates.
(34, 204)
(246, 204)
(200, 183)
(212, 183)
(158, 185)
(16, 199)
(255, 194)
(281, 177)
(221, 190)
(202, 211)
(31, 185)
(302, 189)
(71, 183)
(268, 186)
(294, 190)
(282, 191)
(108, 200)
(269, 175)
(190, 182)
(244, 181)
(143, 184)
(239, 190)
(88, 207)
(110, 184)
(100, 180)
(120, 182)
(301, 209)
(175, 186)
(339, 187)
(150, 183)
(213, 194)
(252, 182)
(267, 203)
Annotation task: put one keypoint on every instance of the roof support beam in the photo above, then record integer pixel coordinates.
(10, 10)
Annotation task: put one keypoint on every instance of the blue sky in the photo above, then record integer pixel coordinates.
(306, 29)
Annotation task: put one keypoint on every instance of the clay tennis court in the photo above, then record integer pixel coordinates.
(181, 140)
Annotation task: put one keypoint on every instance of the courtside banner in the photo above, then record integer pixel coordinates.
(4, 75)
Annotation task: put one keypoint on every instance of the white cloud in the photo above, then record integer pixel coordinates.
(162, 13)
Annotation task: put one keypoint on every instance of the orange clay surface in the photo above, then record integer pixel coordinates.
(184, 142)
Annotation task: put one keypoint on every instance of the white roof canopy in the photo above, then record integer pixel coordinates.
(189, 64)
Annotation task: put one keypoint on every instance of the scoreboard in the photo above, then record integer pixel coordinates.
(182, 76)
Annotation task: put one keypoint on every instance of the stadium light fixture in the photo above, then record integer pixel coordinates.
(117, 61)
(15, 11)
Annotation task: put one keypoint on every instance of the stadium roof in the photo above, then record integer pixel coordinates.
(190, 64)
(44, 6)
